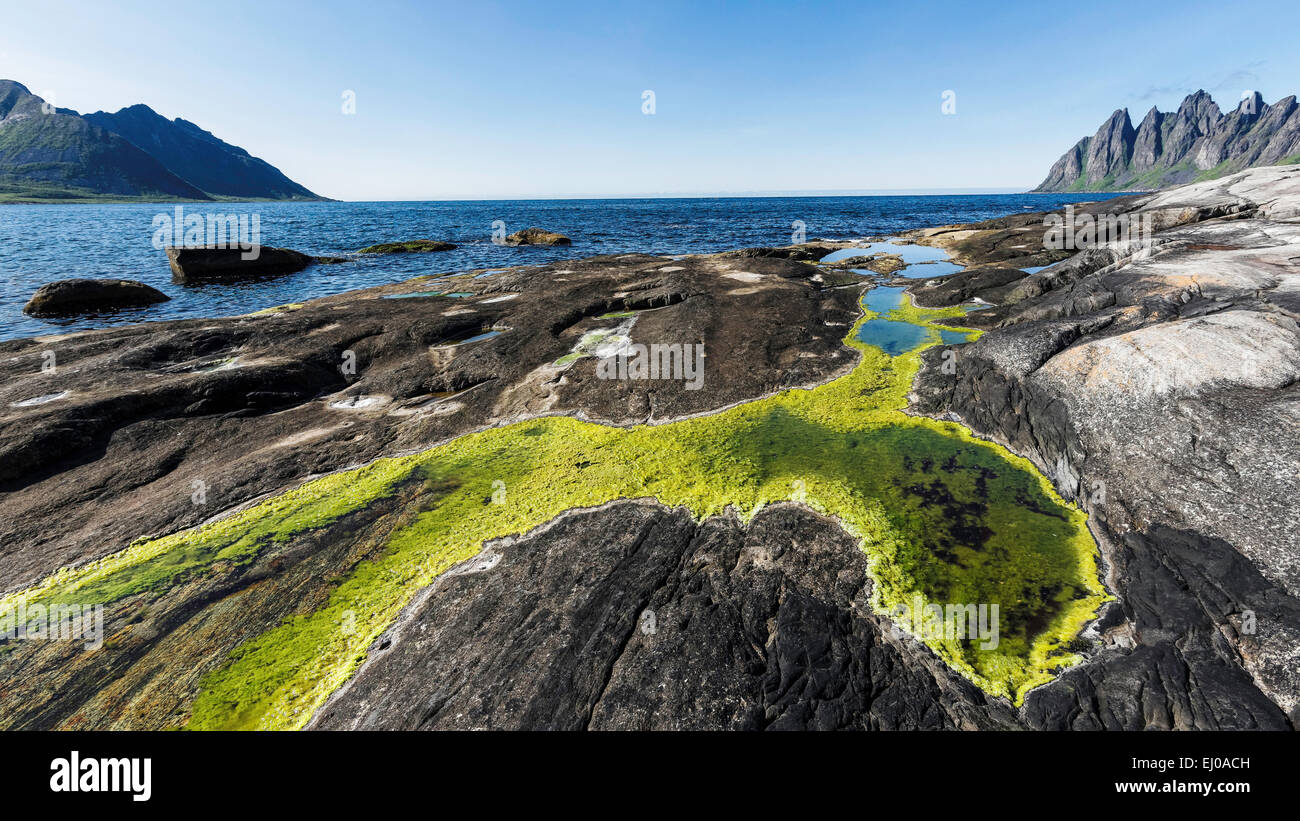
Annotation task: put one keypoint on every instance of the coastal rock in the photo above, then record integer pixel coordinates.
(878, 263)
(537, 236)
(246, 406)
(417, 246)
(645, 643)
(1159, 390)
(987, 283)
(803, 253)
(86, 296)
(197, 265)
(1113, 372)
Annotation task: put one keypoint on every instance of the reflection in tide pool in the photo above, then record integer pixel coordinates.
(895, 336)
(922, 261)
(910, 254)
(926, 270)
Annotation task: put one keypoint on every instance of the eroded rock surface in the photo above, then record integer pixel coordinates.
(1157, 387)
(146, 430)
(662, 623)
(1160, 388)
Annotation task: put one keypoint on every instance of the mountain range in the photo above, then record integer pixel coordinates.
(50, 154)
(1196, 142)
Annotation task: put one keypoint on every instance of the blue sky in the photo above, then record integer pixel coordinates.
(499, 100)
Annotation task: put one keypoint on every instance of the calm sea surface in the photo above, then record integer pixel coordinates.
(41, 243)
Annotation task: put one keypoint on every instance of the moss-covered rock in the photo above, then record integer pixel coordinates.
(415, 246)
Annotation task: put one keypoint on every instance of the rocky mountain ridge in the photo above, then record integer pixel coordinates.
(1196, 142)
(50, 154)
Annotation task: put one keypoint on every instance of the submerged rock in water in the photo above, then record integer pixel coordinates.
(800, 253)
(86, 296)
(537, 236)
(190, 265)
(415, 246)
(879, 263)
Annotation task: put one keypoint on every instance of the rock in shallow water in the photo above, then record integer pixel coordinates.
(85, 296)
(191, 265)
(415, 246)
(537, 236)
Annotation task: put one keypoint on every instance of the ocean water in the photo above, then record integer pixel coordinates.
(42, 243)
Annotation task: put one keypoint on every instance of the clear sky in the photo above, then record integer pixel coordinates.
(499, 100)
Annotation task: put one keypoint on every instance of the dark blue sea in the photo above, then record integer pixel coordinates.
(41, 243)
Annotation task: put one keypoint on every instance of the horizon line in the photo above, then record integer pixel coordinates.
(807, 192)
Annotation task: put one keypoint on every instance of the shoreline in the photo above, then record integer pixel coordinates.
(758, 299)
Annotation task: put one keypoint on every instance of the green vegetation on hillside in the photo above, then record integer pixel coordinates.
(56, 155)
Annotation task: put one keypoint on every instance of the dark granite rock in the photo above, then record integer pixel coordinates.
(802, 253)
(197, 265)
(662, 623)
(87, 296)
(537, 236)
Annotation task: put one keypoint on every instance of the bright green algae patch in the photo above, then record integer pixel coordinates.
(940, 514)
(157, 564)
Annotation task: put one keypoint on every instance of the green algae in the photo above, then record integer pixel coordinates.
(418, 246)
(940, 514)
(151, 565)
